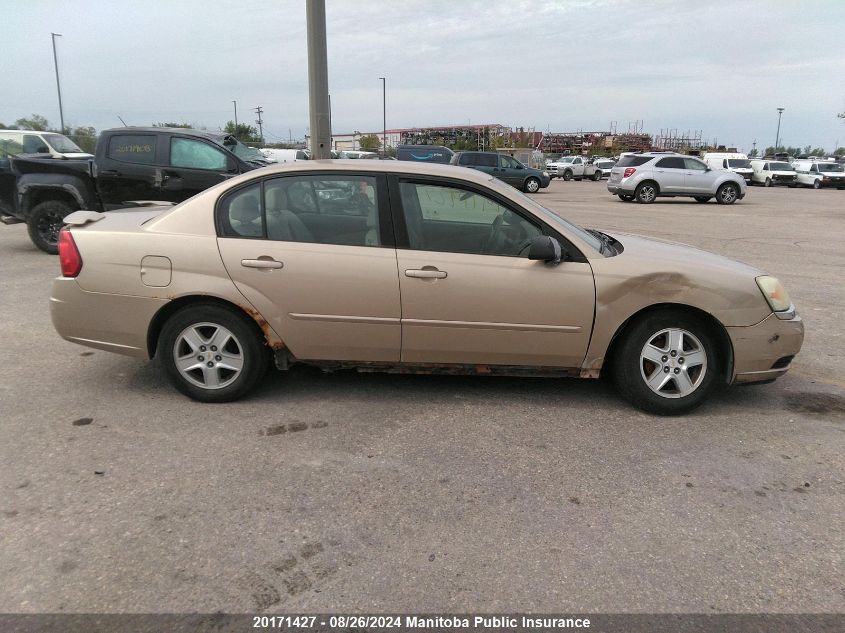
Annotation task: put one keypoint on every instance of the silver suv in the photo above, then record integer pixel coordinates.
(644, 177)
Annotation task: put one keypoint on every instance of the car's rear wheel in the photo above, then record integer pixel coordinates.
(567, 175)
(44, 223)
(532, 185)
(702, 198)
(727, 193)
(646, 192)
(211, 353)
(666, 363)
(624, 197)
(768, 182)
(597, 176)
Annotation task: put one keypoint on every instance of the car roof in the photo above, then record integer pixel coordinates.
(172, 130)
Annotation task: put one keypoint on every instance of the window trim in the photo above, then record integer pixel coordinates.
(401, 229)
(385, 218)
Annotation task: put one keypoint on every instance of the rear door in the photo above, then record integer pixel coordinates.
(193, 165)
(314, 254)
(669, 173)
(470, 295)
(126, 169)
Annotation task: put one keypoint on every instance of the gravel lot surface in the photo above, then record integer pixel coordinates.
(367, 492)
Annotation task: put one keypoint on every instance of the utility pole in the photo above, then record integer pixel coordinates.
(259, 110)
(777, 136)
(236, 117)
(58, 87)
(318, 79)
(384, 114)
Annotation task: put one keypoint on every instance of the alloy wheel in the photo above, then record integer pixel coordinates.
(673, 363)
(208, 355)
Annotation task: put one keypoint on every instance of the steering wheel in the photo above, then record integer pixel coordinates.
(495, 230)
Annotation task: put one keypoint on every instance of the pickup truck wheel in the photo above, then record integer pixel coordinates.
(567, 175)
(532, 185)
(646, 192)
(597, 176)
(44, 222)
(727, 193)
(666, 363)
(211, 353)
(768, 182)
(817, 184)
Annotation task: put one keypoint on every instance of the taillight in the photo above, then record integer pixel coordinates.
(69, 256)
(629, 171)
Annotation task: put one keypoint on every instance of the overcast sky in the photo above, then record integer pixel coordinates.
(722, 67)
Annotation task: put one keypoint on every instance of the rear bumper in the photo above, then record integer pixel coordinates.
(763, 352)
(617, 188)
(114, 323)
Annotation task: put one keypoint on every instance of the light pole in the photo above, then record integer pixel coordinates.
(384, 115)
(236, 117)
(58, 87)
(319, 104)
(777, 136)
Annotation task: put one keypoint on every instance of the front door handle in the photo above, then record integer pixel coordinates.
(264, 263)
(426, 273)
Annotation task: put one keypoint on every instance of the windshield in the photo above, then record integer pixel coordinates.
(240, 150)
(780, 167)
(829, 167)
(566, 159)
(738, 162)
(554, 218)
(62, 144)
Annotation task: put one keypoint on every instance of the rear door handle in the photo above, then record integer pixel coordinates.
(426, 273)
(264, 263)
(109, 172)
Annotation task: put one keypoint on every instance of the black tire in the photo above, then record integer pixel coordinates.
(567, 175)
(532, 185)
(646, 192)
(702, 199)
(254, 353)
(624, 197)
(817, 184)
(597, 176)
(768, 182)
(629, 368)
(728, 193)
(44, 222)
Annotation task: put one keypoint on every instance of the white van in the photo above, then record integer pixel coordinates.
(57, 145)
(357, 154)
(284, 155)
(772, 172)
(737, 163)
(820, 173)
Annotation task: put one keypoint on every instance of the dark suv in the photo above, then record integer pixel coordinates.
(504, 168)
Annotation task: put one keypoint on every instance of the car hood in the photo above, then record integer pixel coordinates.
(670, 255)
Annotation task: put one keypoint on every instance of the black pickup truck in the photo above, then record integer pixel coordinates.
(132, 166)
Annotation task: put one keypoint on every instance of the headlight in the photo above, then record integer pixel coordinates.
(545, 173)
(776, 296)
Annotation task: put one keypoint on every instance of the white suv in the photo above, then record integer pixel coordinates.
(647, 176)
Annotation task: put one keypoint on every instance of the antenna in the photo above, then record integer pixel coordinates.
(122, 121)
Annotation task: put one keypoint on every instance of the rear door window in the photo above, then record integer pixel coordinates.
(486, 160)
(133, 148)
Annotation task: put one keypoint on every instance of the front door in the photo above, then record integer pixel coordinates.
(193, 165)
(127, 169)
(314, 255)
(697, 178)
(511, 171)
(470, 295)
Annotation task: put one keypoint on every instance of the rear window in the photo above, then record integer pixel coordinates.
(426, 154)
(467, 159)
(133, 148)
(633, 161)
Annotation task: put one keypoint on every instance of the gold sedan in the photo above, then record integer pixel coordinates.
(404, 267)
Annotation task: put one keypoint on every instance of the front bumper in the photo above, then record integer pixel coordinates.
(763, 352)
(545, 180)
(115, 323)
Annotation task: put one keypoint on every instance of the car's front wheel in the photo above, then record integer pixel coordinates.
(817, 184)
(211, 353)
(597, 176)
(44, 223)
(567, 175)
(728, 193)
(646, 192)
(768, 182)
(666, 364)
(532, 185)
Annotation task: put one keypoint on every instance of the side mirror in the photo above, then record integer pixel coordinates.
(547, 249)
(520, 167)
(231, 165)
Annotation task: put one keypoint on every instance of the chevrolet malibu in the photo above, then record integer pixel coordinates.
(401, 267)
